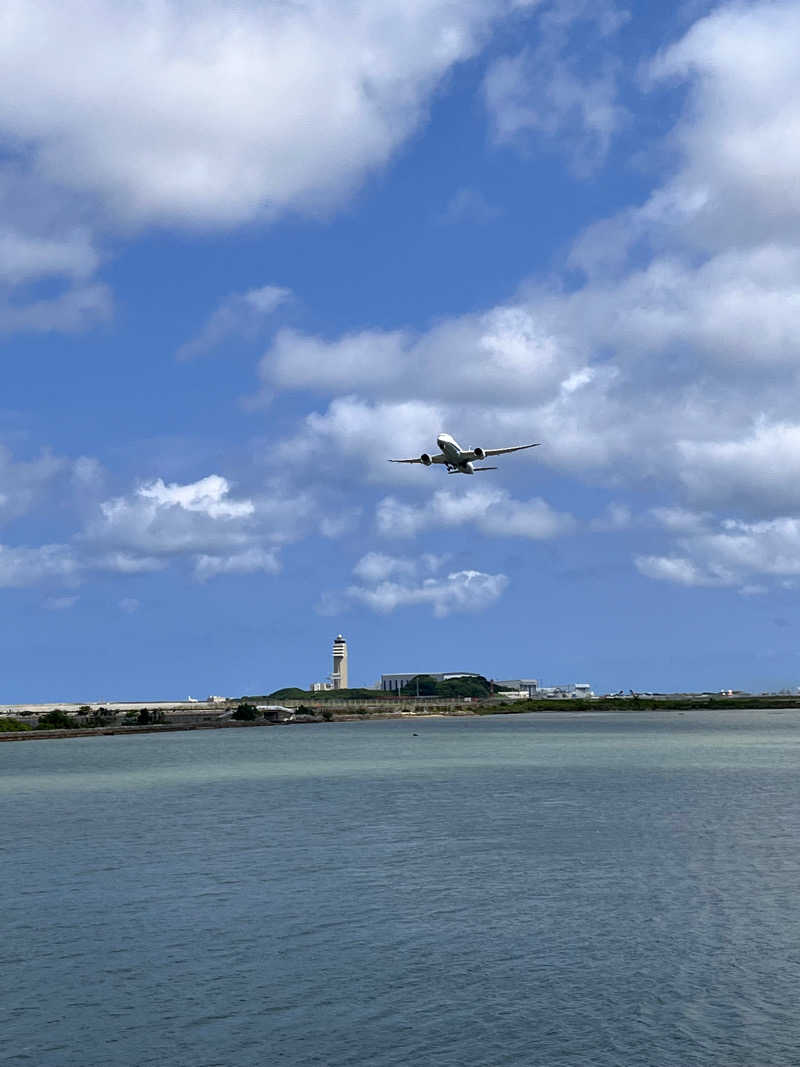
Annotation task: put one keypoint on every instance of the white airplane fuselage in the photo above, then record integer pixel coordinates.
(453, 452)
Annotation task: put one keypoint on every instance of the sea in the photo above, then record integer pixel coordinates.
(564, 890)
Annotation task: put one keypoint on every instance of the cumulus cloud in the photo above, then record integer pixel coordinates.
(362, 436)
(30, 256)
(114, 117)
(468, 205)
(161, 520)
(388, 583)
(559, 96)
(376, 567)
(250, 561)
(61, 603)
(240, 315)
(759, 470)
(674, 362)
(731, 552)
(616, 517)
(739, 136)
(507, 351)
(493, 511)
(27, 485)
(22, 566)
(201, 522)
(22, 482)
(71, 311)
(220, 113)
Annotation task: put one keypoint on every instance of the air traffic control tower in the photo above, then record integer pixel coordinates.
(339, 674)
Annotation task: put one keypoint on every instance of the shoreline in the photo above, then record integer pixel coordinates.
(353, 716)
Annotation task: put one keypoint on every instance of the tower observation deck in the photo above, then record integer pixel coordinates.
(339, 673)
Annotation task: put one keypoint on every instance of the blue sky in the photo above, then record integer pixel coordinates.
(249, 253)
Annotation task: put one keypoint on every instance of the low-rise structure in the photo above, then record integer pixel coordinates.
(519, 688)
(567, 692)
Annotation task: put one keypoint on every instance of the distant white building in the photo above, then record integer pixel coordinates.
(520, 687)
(567, 692)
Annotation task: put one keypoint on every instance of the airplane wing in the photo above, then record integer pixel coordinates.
(498, 451)
(433, 459)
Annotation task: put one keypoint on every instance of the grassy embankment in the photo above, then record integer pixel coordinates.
(678, 703)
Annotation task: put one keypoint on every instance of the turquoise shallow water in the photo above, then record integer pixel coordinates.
(530, 890)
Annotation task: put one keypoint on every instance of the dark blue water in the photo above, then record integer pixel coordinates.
(532, 890)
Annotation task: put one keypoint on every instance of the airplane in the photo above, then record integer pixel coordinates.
(458, 460)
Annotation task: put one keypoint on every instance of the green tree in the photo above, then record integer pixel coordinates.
(246, 713)
(9, 725)
(57, 719)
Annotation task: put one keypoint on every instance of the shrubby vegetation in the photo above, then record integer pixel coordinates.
(57, 719)
(13, 725)
(293, 693)
(246, 713)
(453, 689)
(98, 717)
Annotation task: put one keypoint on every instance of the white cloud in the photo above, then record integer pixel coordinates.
(116, 116)
(129, 605)
(72, 311)
(209, 496)
(510, 352)
(337, 525)
(200, 522)
(26, 256)
(220, 113)
(680, 520)
(391, 582)
(740, 136)
(127, 563)
(616, 517)
(22, 566)
(674, 363)
(731, 553)
(377, 567)
(460, 591)
(22, 482)
(160, 520)
(250, 561)
(678, 569)
(549, 92)
(361, 437)
(241, 314)
(61, 603)
(468, 205)
(493, 511)
(759, 470)
(46, 481)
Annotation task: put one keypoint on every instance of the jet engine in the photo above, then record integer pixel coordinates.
(479, 453)
(426, 459)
